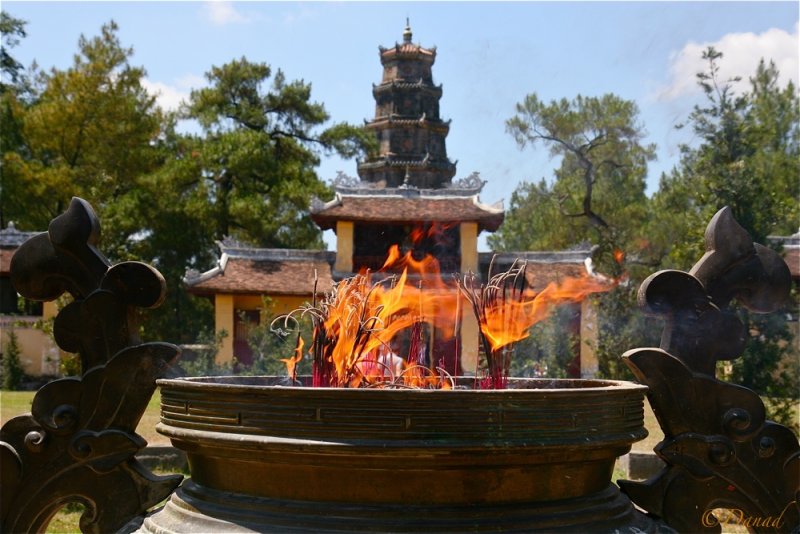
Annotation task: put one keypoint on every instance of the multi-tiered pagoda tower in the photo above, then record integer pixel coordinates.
(407, 124)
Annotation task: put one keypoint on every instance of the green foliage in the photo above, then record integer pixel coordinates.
(204, 362)
(597, 195)
(13, 88)
(87, 132)
(11, 30)
(273, 340)
(13, 373)
(164, 197)
(748, 158)
(165, 222)
(70, 365)
(550, 348)
(259, 153)
(621, 327)
(770, 365)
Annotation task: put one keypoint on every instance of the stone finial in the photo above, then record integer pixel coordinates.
(407, 32)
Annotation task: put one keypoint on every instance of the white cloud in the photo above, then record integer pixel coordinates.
(221, 13)
(296, 16)
(168, 97)
(741, 54)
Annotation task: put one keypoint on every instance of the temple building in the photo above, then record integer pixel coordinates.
(405, 195)
(39, 355)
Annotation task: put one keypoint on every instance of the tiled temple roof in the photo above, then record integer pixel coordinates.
(243, 270)
(10, 237)
(408, 49)
(542, 267)
(469, 186)
(10, 240)
(412, 206)
(791, 251)
(393, 160)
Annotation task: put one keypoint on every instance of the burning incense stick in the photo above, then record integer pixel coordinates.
(355, 324)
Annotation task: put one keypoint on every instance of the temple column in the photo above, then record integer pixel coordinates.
(469, 325)
(469, 246)
(589, 362)
(344, 247)
(223, 308)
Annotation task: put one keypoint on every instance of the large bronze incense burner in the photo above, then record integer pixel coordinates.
(265, 457)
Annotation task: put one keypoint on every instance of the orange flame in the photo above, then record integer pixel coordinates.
(417, 234)
(510, 320)
(363, 317)
(291, 363)
(435, 231)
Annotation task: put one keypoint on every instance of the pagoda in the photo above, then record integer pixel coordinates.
(405, 193)
(407, 125)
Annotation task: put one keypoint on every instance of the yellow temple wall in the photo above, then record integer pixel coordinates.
(227, 305)
(39, 354)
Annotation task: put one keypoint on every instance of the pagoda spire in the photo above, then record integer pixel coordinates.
(407, 32)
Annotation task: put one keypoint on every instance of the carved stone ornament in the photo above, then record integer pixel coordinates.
(347, 181)
(79, 441)
(719, 450)
(473, 182)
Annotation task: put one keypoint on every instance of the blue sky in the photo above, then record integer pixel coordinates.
(490, 55)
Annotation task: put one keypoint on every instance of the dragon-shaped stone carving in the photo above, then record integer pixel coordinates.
(79, 441)
(719, 449)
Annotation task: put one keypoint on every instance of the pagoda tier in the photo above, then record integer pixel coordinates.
(410, 133)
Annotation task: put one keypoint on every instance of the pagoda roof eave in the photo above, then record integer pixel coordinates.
(385, 121)
(393, 160)
(407, 51)
(401, 85)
